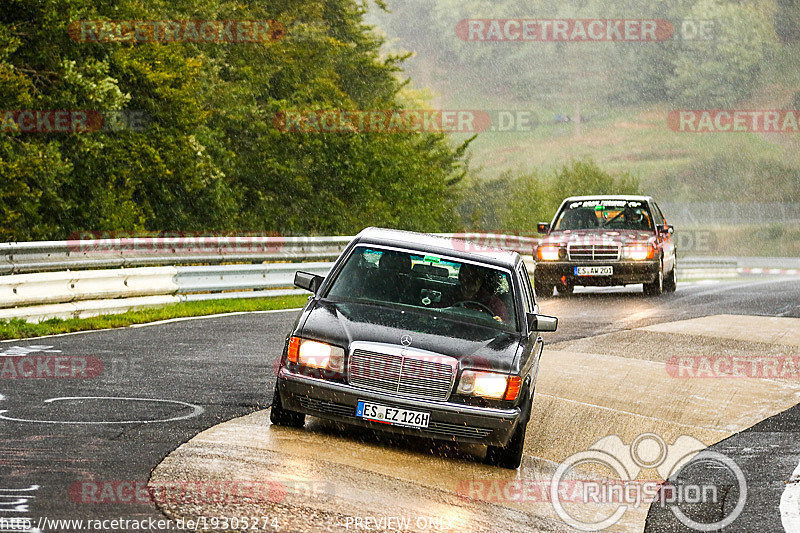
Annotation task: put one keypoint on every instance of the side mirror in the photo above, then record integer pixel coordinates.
(543, 227)
(541, 322)
(309, 282)
(665, 228)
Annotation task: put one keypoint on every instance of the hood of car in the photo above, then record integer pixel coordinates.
(475, 346)
(597, 236)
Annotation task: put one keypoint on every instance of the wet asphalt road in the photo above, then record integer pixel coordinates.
(69, 430)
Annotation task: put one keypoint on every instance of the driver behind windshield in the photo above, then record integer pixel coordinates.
(478, 286)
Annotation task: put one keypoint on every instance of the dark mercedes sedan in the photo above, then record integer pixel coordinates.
(412, 334)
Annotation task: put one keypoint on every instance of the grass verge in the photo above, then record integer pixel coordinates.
(20, 329)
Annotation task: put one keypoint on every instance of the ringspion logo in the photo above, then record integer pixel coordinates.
(648, 451)
(563, 30)
(171, 31)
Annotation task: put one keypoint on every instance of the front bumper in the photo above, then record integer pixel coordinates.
(448, 421)
(625, 272)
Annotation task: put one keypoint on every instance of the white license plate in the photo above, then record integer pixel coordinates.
(392, 415)
(594, 271)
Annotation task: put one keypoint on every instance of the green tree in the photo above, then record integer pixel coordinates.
(724, 70)
(211, 158)
(516, 204)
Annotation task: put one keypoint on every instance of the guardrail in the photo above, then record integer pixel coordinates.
(85, 254)
(55, 278)
(90, 292)
(48, 256)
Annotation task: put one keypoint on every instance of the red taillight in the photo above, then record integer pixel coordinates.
(512, 390)
(294, 349)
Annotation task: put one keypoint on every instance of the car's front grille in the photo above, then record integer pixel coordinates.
(593, 252)
(407, 373)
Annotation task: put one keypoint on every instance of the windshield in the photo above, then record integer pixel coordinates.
(448, 287)
(604, 214)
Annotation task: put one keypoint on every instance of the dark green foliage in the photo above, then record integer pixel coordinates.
(210, 157)
(515, 204)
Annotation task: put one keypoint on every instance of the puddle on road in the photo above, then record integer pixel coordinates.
(333, 480)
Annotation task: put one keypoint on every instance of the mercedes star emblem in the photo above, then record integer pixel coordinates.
(405, 340)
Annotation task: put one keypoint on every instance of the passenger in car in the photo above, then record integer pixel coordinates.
(395, 271)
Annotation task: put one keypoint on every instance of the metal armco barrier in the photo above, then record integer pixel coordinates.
(77, 254)
(690, 268)
(56, 278)
(194, 279)
(64, 287)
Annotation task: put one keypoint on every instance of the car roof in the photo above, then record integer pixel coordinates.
(633, 197)
(450, 246)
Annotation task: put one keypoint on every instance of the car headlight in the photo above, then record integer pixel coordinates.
(547, 253)
(639, 252)
(491, 385)
(315, 354)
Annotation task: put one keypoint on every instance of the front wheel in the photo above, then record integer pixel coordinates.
(284, 417)
(656, 288)
(510, 455)
(671, 281)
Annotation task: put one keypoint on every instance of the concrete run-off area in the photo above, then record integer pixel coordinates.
(618, 383)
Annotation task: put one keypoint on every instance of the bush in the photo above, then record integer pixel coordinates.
(515, 204)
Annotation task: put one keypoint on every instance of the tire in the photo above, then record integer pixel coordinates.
(565, 289)
(543, 290)
(671, 281)
(284, 417)
(510, 455)
(656, 288)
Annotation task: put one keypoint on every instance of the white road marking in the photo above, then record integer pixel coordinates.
(22, 351)
(790, 503)
(294, 309)
(196, 411)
